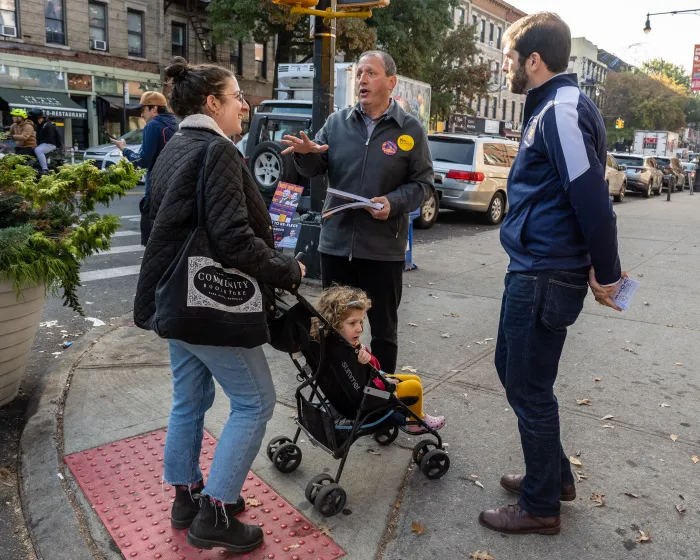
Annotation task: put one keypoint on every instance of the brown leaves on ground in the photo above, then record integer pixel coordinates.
(581, 402)
(417, 528)
(607, 417)
(574, 461)
(673, 437)
(409, 369)
(412, 325)
(680, 508)
(643, 536)
(252, 502)
(598, 499)
(580, 476)
(479, 555)
(324, 530)
(695, 459)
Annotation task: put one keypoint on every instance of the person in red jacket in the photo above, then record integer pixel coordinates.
(345, 308)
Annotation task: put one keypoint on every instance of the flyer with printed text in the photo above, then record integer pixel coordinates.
(282, 211)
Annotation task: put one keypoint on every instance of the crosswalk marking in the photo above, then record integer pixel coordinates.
(123, 249)
(125, 233)
(130, 217)
(109, 273)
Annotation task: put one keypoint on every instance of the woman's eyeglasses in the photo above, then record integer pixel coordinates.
(238, 95)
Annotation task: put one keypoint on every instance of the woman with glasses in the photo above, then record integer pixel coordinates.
(239, 232)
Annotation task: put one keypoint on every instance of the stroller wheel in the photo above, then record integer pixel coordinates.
(275, 444)
(287, 457)
(435, 464)
(421, 449)
(387, 435)
(315, 485)
(330, 500)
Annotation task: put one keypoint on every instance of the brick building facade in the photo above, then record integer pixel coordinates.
(78, 56)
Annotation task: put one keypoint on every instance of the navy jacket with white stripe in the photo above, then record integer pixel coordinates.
(560, 215)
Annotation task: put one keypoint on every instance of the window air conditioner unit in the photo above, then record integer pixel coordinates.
(8, 31)
(98, 45)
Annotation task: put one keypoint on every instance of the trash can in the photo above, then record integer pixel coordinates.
(410, 265)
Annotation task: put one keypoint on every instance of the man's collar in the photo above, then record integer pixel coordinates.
(394, 111)
(555, 82)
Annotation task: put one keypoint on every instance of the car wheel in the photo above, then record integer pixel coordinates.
(494, 215)
(647, 193)
(619, 197)
(428, 212)
(269, 166)
(661, 188)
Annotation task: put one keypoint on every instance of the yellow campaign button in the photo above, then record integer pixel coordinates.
(406, 143)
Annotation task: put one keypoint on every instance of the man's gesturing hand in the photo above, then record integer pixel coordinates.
(604, 294)
(382, 214)
(302, 145)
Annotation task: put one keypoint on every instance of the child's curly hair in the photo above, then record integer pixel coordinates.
(336, 304)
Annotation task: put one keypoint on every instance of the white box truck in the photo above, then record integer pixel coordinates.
(296, 81)
(655, 142)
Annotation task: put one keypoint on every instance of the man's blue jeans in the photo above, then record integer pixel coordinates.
(536, 310)
(245, 378)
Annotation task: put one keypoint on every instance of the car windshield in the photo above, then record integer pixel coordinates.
(452, 150)
(626, 160)
(133, 136)
(289, 109)
(663, 161)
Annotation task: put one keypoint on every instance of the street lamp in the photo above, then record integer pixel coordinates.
(647, 25)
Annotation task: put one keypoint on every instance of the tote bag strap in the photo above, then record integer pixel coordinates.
(198, 218)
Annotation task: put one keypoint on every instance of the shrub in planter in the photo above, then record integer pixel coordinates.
(48, 227)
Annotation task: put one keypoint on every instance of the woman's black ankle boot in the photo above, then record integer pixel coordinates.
(216, 526)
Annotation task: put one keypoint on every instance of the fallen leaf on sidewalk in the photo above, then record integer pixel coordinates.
(580, 476)
(644, 536)
(580, 402)
(574, 461)
(628, 349)
(674, 437)
(487, 339)
(631, 495)
(475, 476)
(477, 483)
(596, 379)
(445, 335)
(681, 508)
(696, 460)
(324, 530)
(599, 499)
(373, 452)
(679, 363)
(252, 502)
(664, 405)
(479, 555)
(607, 426)
(409, 369)
(607, 417)
(412, 325)
(417, 528)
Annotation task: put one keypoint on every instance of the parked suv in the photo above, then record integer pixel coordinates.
(643, 173)
(474, 171)
(616, 178)
(674, 175)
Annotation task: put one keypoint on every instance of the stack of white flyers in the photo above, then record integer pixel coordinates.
(359, 202)
(625, 291)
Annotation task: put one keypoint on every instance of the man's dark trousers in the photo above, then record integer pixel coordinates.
(536, 310)
(382, 282)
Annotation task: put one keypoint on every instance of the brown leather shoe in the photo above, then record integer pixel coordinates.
(512, 482)
(516, 521)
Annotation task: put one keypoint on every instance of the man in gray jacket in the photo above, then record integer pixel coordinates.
(378, 151)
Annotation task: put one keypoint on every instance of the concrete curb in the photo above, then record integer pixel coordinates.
(54, 522)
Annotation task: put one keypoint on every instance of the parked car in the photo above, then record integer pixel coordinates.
(643, 174)
(674, 176)
(474, 170)
(105, 155)
(616, 177)
(689, 169)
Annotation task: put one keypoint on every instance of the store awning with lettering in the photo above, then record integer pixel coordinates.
(118, 101)
(54, 104)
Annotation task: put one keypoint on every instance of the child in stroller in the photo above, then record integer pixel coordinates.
(345, 308)
(340, 400)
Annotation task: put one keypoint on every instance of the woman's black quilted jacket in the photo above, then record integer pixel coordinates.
(237, 221)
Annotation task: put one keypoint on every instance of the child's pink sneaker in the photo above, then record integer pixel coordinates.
(434, 422)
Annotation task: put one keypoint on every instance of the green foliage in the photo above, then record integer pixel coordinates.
(49, 226)
(675, 72)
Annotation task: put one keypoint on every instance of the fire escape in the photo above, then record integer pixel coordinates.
(196, 14)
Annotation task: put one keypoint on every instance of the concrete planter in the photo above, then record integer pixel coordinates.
(19, 321)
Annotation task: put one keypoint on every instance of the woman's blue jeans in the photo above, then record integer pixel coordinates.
(246, 380)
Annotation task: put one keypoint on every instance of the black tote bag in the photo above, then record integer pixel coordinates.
(198, 301)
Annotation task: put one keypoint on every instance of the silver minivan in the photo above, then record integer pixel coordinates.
(474, 170)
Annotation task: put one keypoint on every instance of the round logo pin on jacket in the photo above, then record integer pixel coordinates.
(406, 142)
(389, 148)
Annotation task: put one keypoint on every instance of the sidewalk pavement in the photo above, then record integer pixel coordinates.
(641, 367)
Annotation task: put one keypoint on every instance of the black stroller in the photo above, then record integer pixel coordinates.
(337, 403)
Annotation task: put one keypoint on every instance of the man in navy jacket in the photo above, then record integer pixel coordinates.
(561, 236)
(160, 127)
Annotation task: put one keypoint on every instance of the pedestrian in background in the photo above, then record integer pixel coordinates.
(160, 127)
(378, 151)
(239, 233)
(561, 235)
(47, 138)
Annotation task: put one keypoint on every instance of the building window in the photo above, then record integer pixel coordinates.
(178, 41)
(460, 16)
(8, 17)
(505, 103)
(491, 33)
(135, 29)
(521, 112)
(261, 60)
(98, 25)
(482, 31)
(494, 108)
(475, 20)
(499, 36)
(512, 112)
(55, 23)
(236, 58)
(496, 67)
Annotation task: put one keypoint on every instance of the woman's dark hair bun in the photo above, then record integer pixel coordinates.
(178, 69)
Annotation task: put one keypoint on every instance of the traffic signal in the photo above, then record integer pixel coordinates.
(353, 4)
(619, 123)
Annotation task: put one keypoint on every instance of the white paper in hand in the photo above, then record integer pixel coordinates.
(625, 292)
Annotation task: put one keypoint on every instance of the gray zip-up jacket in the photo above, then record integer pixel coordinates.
(394, 162)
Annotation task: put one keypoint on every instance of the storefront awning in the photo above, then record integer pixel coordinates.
(118, 101)
(54, 104)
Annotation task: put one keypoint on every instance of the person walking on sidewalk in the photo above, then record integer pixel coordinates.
(160, 127)
(561, 236)
(378, 151)
(239, 232)
(47, 138)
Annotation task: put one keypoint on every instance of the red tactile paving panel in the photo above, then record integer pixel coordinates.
(122, 481)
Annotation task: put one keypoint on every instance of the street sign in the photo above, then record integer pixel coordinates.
(695, 76)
